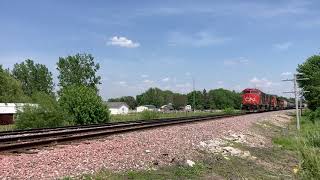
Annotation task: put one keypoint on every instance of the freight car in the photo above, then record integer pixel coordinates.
(254, 100)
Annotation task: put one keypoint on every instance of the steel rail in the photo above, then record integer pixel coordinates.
(57, 137)
(42, 130)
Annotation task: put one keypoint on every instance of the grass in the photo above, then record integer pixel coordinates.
(306, 143)
(172, 172)
(7, 127)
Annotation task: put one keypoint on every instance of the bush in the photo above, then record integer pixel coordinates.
(45, 113)
(84, 105)
(229, 110)
(315, 115)
(147, 115)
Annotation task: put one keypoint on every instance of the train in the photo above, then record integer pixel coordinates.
(254, 100)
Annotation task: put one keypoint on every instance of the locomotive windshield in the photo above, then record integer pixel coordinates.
(251, 91)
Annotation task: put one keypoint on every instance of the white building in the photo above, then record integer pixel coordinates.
(188, 108)
(7, 111)
(146, 108)
(118, 107)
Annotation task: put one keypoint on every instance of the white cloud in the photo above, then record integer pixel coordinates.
(184, 85)
(286, 73)
(165, 79)
(122, 42)
(236, 61)
(121, 83)
(283, 46)
(220, 82)
(144, 75)
(199, 39)
(148, 81)
(263, 83)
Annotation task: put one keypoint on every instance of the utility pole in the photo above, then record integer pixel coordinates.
(194, 95)
(296, 95)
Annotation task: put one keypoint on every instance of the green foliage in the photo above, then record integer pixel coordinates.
(153, 96)
(131, 101)
(195, 99)
(10, 88)
(285, 142)
(46, 113)
(310, 164)
(147, 115)
(77, 70)
(179, 100)
(315, 115)
(312, 138)
(84, 105)
(311, 69)
(222, 98)
(229, 110)
(33, 77)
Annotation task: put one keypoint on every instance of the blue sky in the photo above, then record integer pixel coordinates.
(142, 44)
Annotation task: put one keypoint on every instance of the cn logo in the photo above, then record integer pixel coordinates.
(250, 99)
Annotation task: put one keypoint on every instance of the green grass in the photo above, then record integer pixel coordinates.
(171, 172)
(306, 143)
(7, 127)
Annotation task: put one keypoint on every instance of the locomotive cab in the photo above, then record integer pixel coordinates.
(251, 100)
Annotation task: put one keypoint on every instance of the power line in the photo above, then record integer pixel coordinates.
(295, 92)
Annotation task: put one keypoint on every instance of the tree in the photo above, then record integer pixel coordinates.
(45, 113)
(33, 77)
(153, 96)
(311, 69)
(77, 70)
(131, 101)
(179, 100)
(222, 98)
(10, 88)
(206, 104)
(84, 105)
(198, 97)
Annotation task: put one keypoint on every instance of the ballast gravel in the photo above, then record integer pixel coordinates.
(137, 150)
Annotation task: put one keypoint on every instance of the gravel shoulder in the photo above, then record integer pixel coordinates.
(137, 150)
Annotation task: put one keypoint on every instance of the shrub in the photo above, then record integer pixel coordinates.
(146, 115)
(45, 113)
(229, 110)
(84, 105)
(315, 115)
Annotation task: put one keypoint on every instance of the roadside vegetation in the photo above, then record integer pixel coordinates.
(305, 143)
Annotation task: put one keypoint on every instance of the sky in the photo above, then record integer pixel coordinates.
(141, 44)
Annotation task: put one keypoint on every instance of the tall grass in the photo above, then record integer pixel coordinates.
(309, 149)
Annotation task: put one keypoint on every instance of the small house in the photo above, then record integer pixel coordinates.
(118, 107)
(8, 110)
(146, 108)
(167, 107)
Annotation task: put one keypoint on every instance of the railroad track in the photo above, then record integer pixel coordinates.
(28, 139)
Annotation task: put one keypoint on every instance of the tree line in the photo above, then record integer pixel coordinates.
(76, 102)
(201, 100)
(310, 69)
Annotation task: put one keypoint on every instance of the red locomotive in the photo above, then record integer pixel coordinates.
(254, 100)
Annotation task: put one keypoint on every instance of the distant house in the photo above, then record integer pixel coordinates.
(167, 107)
(188, 108)
(8, 110)
(146, 108)
(118, 107)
